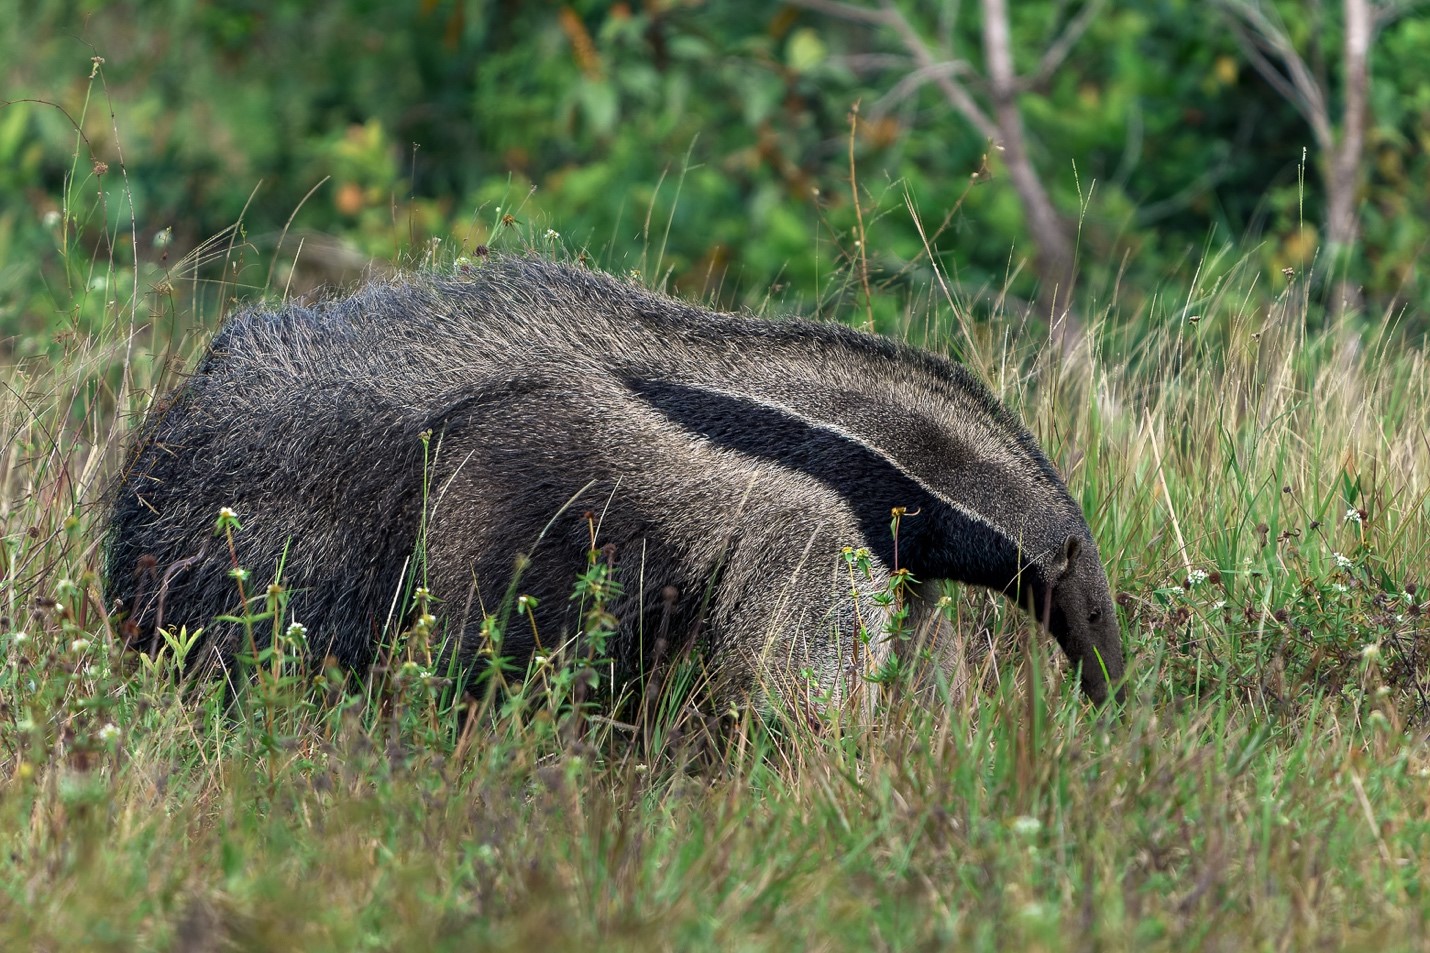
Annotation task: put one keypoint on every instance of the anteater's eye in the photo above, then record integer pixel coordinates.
(1095, 616)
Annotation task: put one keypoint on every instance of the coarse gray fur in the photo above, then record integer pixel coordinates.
(726, 461)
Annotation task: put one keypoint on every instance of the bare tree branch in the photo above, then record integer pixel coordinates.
(1000, 122)
(955, 92)
(1055, 54)
(1257, 32)
(1268, 70)
(843, 11)
(915, 80)
(872, 62)
(935, 70)
(1387, 13)
(1340, 152)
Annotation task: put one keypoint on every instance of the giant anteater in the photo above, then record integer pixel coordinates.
(450, 428)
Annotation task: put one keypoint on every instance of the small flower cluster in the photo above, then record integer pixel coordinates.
(296, 634)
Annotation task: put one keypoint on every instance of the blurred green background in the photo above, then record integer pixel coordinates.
(705, 143)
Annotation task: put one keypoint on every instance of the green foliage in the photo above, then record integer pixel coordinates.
(705, 145)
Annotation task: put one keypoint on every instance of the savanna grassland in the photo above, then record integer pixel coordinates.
(1251, 447)
(1259, 492)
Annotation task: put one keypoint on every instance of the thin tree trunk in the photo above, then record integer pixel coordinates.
(1053, 248)
(1345, 162)
(1343, 176)
(1053, 255)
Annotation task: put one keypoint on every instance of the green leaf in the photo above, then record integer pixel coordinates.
(805, 50)
(599, 106)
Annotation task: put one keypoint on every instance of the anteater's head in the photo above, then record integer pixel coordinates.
(1071, 595)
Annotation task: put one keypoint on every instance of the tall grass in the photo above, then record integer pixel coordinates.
(1258, 485)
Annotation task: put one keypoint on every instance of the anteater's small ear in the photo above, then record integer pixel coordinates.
(1071, 545)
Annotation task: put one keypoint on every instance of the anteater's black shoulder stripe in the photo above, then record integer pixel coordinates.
(868, 482)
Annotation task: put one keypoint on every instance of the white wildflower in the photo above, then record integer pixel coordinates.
(79, 645)
(1371, 650)
(1353, 515)
(1195, 577)
(1340, 587)
(552, 234)
(1026, 826)
(51, 218)
(19, 638)
(110, 732)
(227, 513)
(1342, 561)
